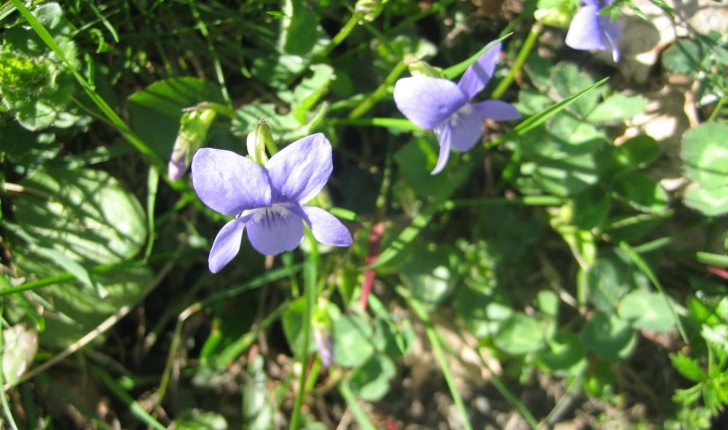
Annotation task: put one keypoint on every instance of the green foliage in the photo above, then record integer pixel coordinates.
(705, 158)
(550, 251)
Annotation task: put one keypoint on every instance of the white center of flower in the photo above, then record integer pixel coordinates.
(276, 210)
(459, 114)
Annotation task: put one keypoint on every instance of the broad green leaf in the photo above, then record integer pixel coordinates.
(156, 111)
(480, 312)
(548, 303)
(564, 354)
(617, 107)
(539, 69)
(684, 56)
(705, 154)
(293, 327)
(416, 160)
(568, 81)
(352, 341)
(641, 192)
(25, 40)
(531, 101)
(370, 381)
(647, 311)
(308, 92)
(636, 152)
(574, 136)
(606, 285)
(610, 337)
(431, 275)
(75, 311)
(20, 345)
(85, 213)
(520, 334)
(590, 207)
(711, 202)
(567, 176)
(298, 28)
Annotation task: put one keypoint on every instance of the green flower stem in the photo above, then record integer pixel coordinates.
(505, 201)
(437, 348)
(520, 60)
(380, 92)
(402, 124)
(310, 275)
(718, 108)
(341, 35)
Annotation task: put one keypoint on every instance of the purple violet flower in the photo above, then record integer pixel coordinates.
(591, 31)
(442, 106)
(268, 200)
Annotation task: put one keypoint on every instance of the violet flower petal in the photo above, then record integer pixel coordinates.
(466, 130)
(444, 136)
(585, 32)
(226, 245)
(497, 110)
(427, 101)
(326, 228)
(273, 233)
(300, 170)
(478, 74)
(229, 183)
(612, 32)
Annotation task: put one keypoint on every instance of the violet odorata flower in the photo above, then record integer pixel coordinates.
(442, 106)
(268, 200)
(591, 31)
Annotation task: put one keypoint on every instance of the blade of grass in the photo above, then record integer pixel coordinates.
(645, 268)
(359, 415)
(310, 276)
(499, 384)
(125, 398)
(120, 125)
(534, 121)
(423, 218)
(215, 60)
(439, 354)
(453, 72)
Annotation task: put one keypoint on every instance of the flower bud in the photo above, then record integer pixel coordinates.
(322, 327)
(556, 13)
(257, 142)
(369, 10)
(192, 134)
(418, 67)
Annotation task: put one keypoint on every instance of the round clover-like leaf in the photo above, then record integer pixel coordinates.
(609, 336)
(705, 154)
(647, 311)
(371, 380)
(520, 334)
